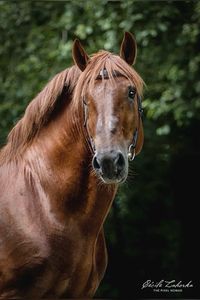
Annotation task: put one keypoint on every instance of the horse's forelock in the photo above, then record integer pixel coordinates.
(113, 65)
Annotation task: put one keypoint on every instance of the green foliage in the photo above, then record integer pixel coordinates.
(35, 43)
(36, 40)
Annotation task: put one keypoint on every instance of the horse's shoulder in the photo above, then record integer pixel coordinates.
(22, 263)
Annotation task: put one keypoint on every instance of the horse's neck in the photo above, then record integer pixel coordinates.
(63, 161)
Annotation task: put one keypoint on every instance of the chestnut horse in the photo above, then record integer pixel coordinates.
(59, 173)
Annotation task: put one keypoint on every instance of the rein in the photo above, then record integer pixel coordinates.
(132, 146)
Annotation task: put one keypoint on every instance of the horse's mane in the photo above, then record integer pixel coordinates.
(39, 112)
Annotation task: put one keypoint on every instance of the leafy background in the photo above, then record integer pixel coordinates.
(152, 230)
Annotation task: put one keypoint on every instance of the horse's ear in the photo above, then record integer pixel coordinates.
(80, 57)
(140, 139)
(128, 50)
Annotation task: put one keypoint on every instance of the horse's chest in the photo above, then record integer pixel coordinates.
(58, 275)
(81, 271)
(72, 269)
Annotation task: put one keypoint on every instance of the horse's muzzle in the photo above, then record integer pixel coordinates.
(111, 166)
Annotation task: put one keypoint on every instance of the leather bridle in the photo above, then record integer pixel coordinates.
(132, 146)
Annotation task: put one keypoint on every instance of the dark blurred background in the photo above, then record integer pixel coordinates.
(152, 231)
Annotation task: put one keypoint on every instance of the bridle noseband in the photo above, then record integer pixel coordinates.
(132, 146)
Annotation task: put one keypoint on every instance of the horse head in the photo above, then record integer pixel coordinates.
(112, 108)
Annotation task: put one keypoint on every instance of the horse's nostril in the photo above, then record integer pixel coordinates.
(120, 161)
(109, 164)
(95, 163)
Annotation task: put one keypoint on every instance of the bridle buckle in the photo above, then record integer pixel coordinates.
(131, 152)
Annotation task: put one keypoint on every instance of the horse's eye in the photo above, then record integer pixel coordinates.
(131, 93)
